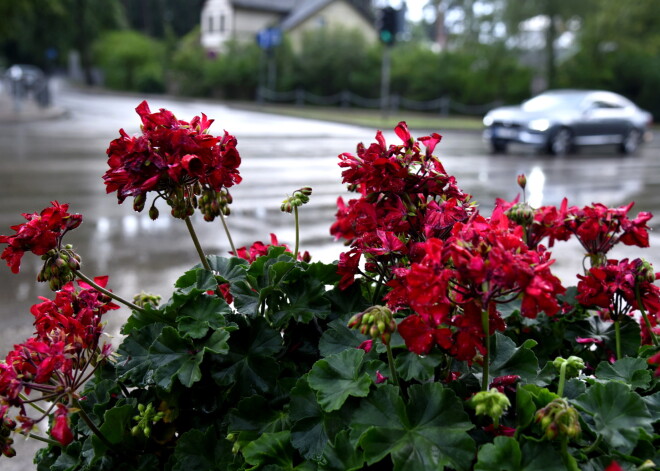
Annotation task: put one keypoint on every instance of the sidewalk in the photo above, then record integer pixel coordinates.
(28, 111)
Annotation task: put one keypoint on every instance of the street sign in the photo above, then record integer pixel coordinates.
(268, 38)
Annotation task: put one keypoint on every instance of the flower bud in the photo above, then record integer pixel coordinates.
(491, 403)
(153, 213)
(645, 271)
(558, 419)
(139, 201)
(522, 181)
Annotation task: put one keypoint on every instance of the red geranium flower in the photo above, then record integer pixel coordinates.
(42, 233)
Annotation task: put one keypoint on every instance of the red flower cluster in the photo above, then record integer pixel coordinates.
(405, 198)
(599, 228)
(615, 286)
(176, 159)
(41, 233)
(537, 223)
(482, 263)
(55, 362)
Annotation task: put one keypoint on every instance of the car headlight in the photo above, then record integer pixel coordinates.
(488, 121)
(539, 125)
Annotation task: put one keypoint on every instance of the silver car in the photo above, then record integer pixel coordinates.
(557, 121)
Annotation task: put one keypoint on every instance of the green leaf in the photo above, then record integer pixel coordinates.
(201, 314)
(338, 337)
(540, 456)
(501, 455)
(250, 367)
(116, 423)
(202, 450)
(596, 328)
(507, 359)
(134, 363)
(305, 296)
(270, 449)
(529, 399)
(312, 427)
(198, 279)
(341, 455)
(653, 405)
(173, 356)
(148, 316)
(254, 414)
(230, 269)
(416, 437)
(616, 413)
(411, 366)
(339, 376)
(631, 371)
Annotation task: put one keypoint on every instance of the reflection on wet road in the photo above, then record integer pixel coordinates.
(64, 160)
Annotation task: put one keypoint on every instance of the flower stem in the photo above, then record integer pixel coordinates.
(200, 252)
(390, 360)
(295, 214)
(110, 294)
(486, 327)
(640, 306)
(617, 336)
(231, 242)
(562, 379)
(569, 461)
(45, 440)
(92, 426)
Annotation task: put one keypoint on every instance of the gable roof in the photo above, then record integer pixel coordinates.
(307, 8)
(276, 6)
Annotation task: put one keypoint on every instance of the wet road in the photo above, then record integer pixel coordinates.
(64, 160)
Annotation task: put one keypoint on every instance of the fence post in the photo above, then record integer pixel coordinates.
(445, 102)
(345, 99)
(300, 97)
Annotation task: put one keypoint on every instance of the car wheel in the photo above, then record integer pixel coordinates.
(561, 142)
(498, 146)
(630, 142)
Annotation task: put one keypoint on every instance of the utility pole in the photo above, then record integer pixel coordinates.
(388, 27)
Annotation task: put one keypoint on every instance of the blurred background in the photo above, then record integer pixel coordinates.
(299, 82)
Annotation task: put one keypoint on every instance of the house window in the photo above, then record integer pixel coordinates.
(222, 23)
(210, 24)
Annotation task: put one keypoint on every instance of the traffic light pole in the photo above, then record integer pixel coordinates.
(385, 82)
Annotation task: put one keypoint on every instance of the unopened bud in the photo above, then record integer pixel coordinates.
(139, 201)
(522, 181)
(153, 213)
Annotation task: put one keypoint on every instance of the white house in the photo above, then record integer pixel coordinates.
(222, 20)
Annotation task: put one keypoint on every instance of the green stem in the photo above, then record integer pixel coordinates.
(231, 242)
(390, 360)
(569, 461)
(25, 400)
(640, 306)
(486, 327)
(92, 426)
(110, 294)
(617, 332)
(295, 214)
(198, 247)
(562, 379)
(45, 440)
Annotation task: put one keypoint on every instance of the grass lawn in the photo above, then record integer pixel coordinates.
(370, 118)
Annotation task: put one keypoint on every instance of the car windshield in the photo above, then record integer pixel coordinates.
(551, 101)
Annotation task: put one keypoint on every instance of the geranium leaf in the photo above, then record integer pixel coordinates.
(231, 269)
(616, 413)
(653, 405)
(148, 316)
(338, 337)
(254, 414)
(596, 328)
(540, 456)
(249, 367)
(501, 455)
(197, 278)
(204, 313)
(410, 366)
(203, 450)
(312, 427)
(270, 449)
(134, 363)
(339, 376)
(173, 356)
(507, 359)
(631, 371)
(342, 455)
(530, 398)
(116, 422)
(428, 437)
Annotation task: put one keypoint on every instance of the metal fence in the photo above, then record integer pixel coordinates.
(347, 99)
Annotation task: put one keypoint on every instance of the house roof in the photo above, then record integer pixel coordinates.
(277, 6)
(307, 8)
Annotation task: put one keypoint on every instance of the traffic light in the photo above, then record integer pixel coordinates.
(388, 25)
